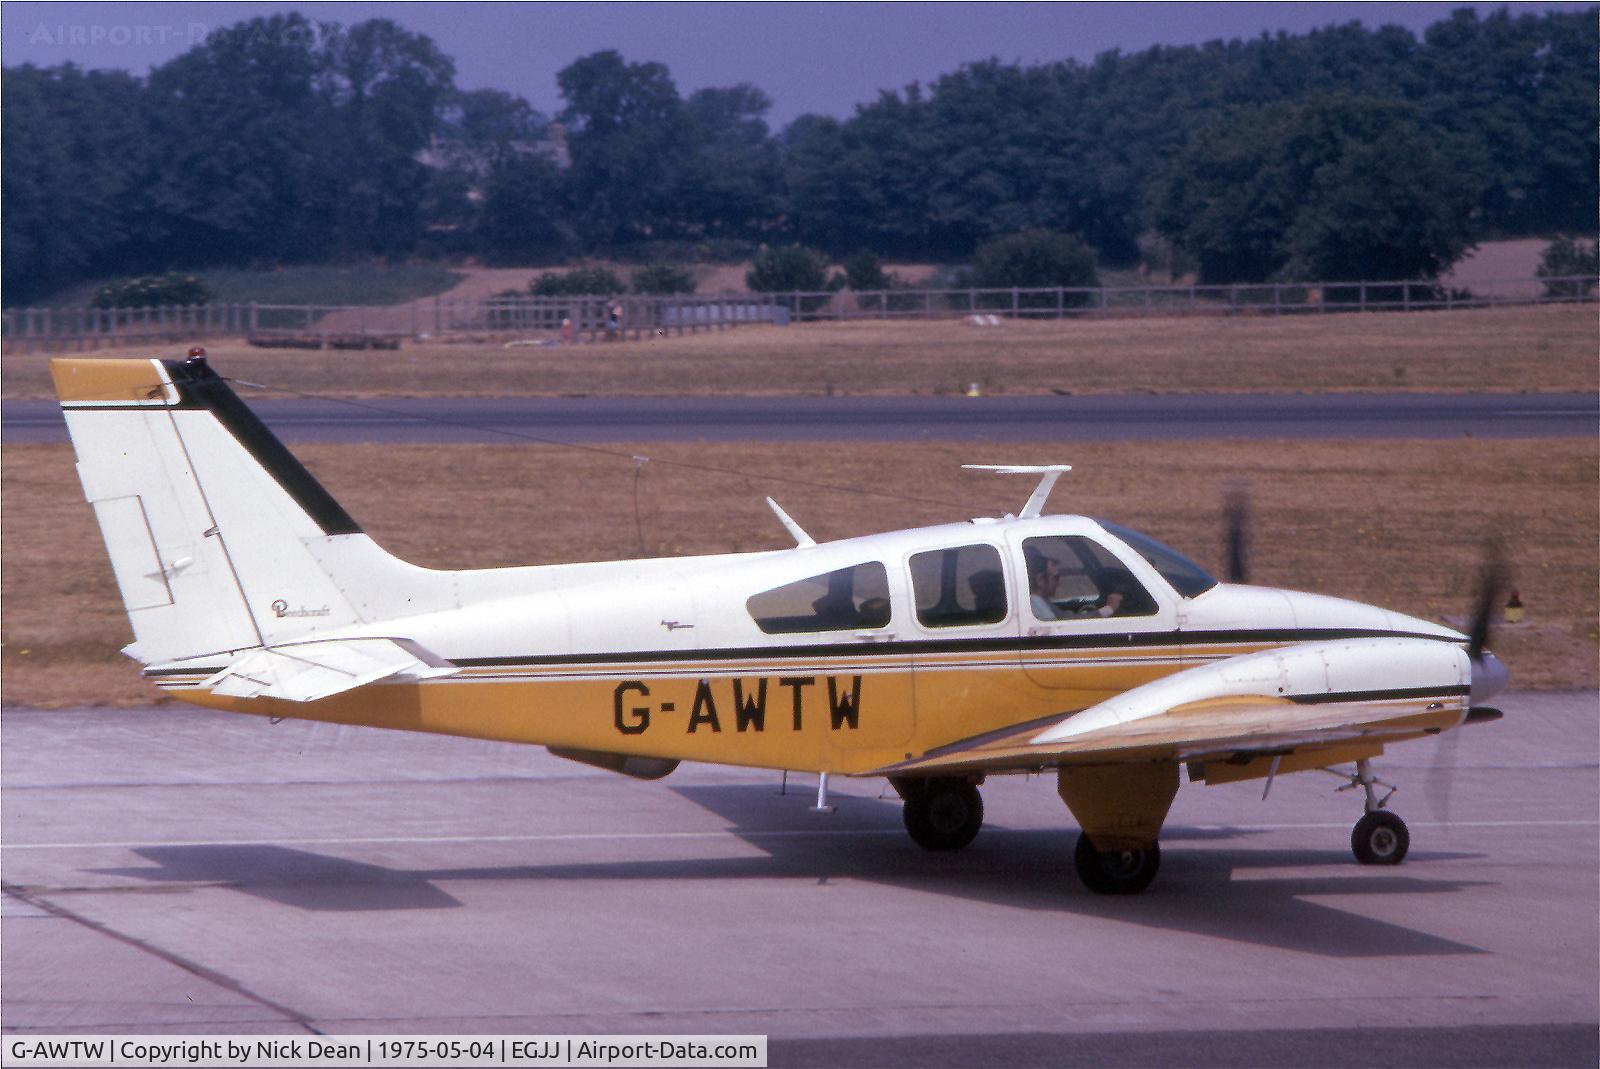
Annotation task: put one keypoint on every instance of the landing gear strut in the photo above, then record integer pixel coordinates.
(1379, 837)
(941, 814)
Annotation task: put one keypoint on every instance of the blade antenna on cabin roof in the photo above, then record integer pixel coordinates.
(1048, 474)
(801, 539)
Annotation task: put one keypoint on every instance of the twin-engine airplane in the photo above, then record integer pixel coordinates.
(934, 657)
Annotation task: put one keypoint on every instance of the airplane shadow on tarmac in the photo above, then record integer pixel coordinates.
(1197, 891)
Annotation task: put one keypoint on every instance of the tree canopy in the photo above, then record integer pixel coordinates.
(1338, 153)
(1332, 188)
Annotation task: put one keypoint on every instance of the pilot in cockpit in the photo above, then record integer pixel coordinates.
(1044, 576)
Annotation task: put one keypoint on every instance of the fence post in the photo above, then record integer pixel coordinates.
(1405, 296)
(1015, 305)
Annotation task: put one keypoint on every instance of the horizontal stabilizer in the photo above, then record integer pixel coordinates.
(307, 671)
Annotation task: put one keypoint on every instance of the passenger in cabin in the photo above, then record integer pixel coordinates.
(834, 610)
(874, 612)
(988, 595)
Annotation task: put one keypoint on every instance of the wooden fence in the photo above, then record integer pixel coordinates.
(583, 319)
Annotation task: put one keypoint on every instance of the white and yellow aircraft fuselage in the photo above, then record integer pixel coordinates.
(935, 656)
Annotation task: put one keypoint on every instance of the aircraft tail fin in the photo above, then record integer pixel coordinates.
(220, 539)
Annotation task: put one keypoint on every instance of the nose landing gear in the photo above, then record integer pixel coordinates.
(1379, 837)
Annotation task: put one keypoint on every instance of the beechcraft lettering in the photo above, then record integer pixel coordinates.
(999, 645)
(633, 712)
(281, 610)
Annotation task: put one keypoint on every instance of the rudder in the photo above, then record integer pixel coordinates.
(216, 531)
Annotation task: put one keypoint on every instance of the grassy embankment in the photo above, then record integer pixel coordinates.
(368, 284)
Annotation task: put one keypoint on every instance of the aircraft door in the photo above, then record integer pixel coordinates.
(1088, 623)
(962, 627)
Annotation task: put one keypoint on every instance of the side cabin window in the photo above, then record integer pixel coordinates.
(844, 600)
(1076, 578)
(958, 587)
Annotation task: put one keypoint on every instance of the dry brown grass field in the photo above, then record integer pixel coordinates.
(1396, 523)
(1551, 348)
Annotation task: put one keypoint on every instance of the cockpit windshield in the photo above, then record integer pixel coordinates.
(1186, 577)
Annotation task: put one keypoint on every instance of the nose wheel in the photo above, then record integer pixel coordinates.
(1379, 837)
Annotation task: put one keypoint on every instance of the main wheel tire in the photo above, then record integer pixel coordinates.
(1116, 872)
(945, 814)
(1380, 838)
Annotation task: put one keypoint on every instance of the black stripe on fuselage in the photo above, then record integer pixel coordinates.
(1191, 641)
(200, 387)
(1397, 694)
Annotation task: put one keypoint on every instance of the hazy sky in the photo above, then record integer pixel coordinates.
(809, 57)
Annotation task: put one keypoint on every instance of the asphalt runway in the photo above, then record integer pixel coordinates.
(176, 870)
(881, 419)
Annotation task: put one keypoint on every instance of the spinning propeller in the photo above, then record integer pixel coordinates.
(1489, 676)
(1235, 517)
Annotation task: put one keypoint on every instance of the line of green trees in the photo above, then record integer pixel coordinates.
(1340, 153)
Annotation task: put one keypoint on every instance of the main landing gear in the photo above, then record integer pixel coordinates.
(1116, 872)
(1379, 837)
(942, 813)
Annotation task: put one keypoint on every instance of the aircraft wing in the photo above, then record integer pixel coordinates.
(1294, 699)
(1204, 730)
(307, 671)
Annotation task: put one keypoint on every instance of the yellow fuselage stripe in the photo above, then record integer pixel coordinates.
(843, 714)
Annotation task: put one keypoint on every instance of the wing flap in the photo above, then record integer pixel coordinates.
(309, 671)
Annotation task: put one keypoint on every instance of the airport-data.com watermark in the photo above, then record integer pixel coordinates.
(45, 35)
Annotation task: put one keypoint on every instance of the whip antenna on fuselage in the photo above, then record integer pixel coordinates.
(1048, 474)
